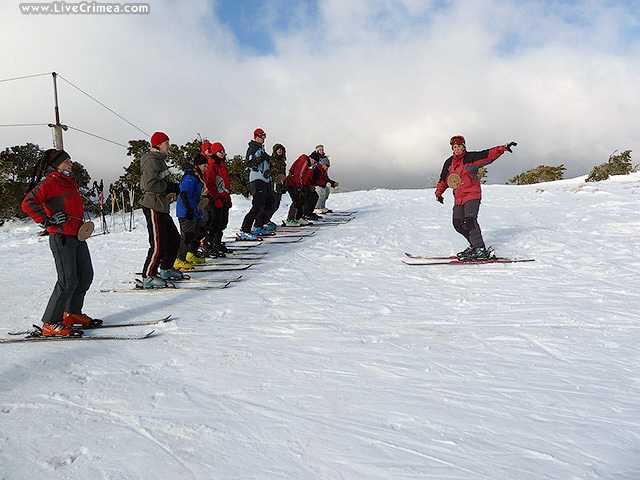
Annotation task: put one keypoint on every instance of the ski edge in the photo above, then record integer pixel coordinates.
(96, 337)
(468, 262)
(208, 286)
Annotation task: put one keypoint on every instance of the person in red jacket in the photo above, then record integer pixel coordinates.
(460, 172)
(218, 185)
(299, 182)
(322, 182)
(56, 203)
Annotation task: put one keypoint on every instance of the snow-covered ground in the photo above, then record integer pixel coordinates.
(332, 359)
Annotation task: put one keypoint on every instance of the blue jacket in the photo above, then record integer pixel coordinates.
(192, 186)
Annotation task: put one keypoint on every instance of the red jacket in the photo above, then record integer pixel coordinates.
(217, 180)
(321, 177)
(467, 166)
(300, 173)
(56, 193)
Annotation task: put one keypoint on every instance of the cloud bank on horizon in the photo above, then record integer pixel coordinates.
(382, 84)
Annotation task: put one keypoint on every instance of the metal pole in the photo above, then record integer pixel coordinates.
(57, 127)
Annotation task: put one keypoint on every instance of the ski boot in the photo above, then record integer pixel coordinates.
(59, 330)
(79, 320)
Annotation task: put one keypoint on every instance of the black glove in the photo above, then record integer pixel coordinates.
(509, 145)
(57, 218)
(266, 174)
(189, 215)
(172, 188)
(440, 198)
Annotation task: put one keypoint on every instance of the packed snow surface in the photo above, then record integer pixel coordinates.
(332, 359)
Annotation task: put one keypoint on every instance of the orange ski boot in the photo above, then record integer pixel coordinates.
(59, 330)
(80, 319)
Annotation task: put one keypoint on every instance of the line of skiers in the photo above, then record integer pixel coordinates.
(204, 200)
(269, 179)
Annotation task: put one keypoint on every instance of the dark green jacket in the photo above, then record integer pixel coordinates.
(154, 181)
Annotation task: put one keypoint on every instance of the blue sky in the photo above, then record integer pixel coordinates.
(253, 22)
(383, 84)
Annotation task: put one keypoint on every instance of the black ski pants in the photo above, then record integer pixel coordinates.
(310, 199)
(191, 232)
(164, 241)
(75, 274)
(261, 203)
(296, 210)
(217, 221)
(465, 222)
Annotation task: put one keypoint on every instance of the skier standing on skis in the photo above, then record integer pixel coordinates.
(323, 185)
(299, 182)
(189, 216)
(257, 160)
(164, 239)
(56, 203)
(278, 164)
(460, 172)
(218, 184)
(322, 189)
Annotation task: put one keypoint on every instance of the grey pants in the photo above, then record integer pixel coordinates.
(75, 274)
(323, 194)
(465, 221)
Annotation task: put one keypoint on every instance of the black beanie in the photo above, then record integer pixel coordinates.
(53, 157)
(200, 160)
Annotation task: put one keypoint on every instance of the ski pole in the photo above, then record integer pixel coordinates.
(131, 215)
(113, 207)
(124, 220)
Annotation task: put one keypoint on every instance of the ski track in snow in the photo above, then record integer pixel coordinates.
(331, 359)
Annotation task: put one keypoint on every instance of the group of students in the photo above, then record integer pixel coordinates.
(204, 200)
(269, 180)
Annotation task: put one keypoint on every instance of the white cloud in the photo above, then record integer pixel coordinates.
(382, 84)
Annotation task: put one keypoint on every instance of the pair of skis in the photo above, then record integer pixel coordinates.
(267, 239)
(453, 260)
(183, 285)
(34, 334)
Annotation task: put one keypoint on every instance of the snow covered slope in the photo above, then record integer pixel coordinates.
(331, 359)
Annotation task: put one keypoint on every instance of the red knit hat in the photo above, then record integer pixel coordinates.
(205, 146)
(457, 140)
(157, 138)
(258, 132)
(216, 147)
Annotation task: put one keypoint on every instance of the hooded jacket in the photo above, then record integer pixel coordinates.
(154, 181)
(57, 192)
(467, 166)
(217, 179)
(278, 163)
